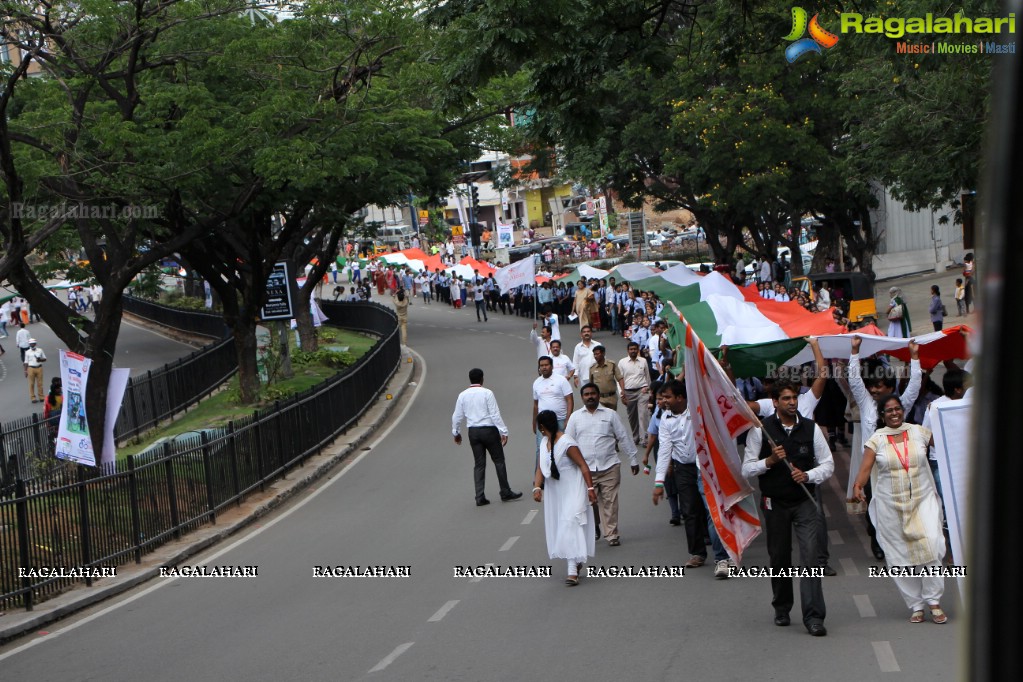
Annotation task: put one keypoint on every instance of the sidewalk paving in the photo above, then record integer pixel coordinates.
(916, 292)
(230, 521)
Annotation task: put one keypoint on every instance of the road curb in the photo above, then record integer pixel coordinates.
(14, 624)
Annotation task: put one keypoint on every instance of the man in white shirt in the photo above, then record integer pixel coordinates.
(487, 433)
(562, 364)
(600, 434)
(33, 361)
(21, 339)
(678, 448)
(541, 342)
(740, 270)
(551, 392)
(582, 358)
(5, 317)
(550, 319)
(636, 379)
(787, 499)
(765, 269)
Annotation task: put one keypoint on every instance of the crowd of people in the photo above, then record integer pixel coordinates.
(856, 408)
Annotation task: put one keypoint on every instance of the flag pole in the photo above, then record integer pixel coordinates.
(758, 423)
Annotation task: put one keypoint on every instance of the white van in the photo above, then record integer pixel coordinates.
(394, 235)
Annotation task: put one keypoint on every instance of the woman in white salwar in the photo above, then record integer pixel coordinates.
(905, 507)
(567, 506)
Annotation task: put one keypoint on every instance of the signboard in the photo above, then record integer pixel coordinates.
(424, 217)
(505, 235)
(73, 440)
(602, 215)
(457, 234)
(278, 294)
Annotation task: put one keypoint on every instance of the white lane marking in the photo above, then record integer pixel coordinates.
(443, 611)
(864, 606)
(209, 559)
(479, 579)
(508, 545)
(389, 658)
(849, 566)
(529, 517)
(886, 657)
(835, 538)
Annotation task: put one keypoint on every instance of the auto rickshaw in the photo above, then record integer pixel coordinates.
(852, 287)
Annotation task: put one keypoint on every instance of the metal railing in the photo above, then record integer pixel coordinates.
(25, 447)
(86, 518)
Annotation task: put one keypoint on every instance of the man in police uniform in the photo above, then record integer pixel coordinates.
(786, 499)
(34, 359)
(607, 377)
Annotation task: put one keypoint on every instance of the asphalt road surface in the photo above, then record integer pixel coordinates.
(138, 348)
(408, 501)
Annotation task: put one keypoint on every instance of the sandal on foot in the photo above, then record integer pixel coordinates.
(572, 581)
(937, 615)
(917, 617)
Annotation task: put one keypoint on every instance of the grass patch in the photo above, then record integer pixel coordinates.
(310, 369)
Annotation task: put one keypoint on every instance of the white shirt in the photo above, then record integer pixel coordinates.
(562, 365)
(22, 337)
(550, 394)
(675, 439)
(555, 326)
(765, 271)
(34, 357)
(635, 373)
(600, 434)
(478, 406)
(654, 346)
(542, 347)
(582, 358)
(805, 405)
(752, 465)
(866, 402)
(931, 454)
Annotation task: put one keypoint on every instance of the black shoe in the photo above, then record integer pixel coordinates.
(482, 501)
(782, 619)
(876, 549)
(510, 496)
(828, 571)
(675, 521)
(817, 630)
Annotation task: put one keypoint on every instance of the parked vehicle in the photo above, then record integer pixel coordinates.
(853, 287)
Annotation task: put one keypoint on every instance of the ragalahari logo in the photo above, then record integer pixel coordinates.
(818, 36)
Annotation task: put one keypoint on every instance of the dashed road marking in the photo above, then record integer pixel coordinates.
(508, 545)
(529, 517)
(389, 658)
(886, 657)
(849, 566)
(443, 611)
(835, 538)
(864, 606)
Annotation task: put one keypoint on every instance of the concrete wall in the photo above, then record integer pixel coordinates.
(913, 241)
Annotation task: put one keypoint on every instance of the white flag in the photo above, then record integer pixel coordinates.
(517, 274)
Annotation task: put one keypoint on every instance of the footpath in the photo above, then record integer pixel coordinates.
(229, 522)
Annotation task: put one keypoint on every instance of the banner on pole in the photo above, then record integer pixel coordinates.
(505, 235)
(115, 396)
(73, 441)
(950, 424)
(522, 272)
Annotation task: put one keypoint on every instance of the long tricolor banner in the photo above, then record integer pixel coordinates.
(719, 415)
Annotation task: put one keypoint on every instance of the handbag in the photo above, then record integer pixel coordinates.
(896, 312)
(944, 310)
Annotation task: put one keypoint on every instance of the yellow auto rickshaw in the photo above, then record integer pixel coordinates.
(853, 287)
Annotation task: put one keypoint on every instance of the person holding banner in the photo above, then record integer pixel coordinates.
(787, 499)
(905, 507)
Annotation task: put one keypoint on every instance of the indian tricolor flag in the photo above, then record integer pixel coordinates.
(719, 415)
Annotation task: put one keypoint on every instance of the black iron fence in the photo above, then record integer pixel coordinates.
(87, 519)
(26, 444)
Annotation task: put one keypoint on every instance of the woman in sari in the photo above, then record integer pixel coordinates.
(905, 507)
(568, 503)
(899, 325)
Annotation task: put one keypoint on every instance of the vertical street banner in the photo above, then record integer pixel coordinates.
(209, 294)
(719, 416)
(74, 443)
(602, 215)
(463, 217)
(278, 304)
(115, 397)
(505, 235)
(950, 422)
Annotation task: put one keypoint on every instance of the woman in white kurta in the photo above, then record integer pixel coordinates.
(567, 505)
(905, 508)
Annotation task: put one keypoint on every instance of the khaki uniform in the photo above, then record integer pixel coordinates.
(606, 378)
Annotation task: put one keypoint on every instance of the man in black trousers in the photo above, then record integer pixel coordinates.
(788, 503)
(487, 433)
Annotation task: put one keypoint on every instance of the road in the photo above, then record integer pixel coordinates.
(138, 348)
(409, 502)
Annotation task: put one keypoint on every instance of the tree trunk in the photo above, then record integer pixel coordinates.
(244, 334)
(306, 331)
(287, 372)
(102, 344)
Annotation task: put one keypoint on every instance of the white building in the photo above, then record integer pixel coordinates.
(913, 241)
